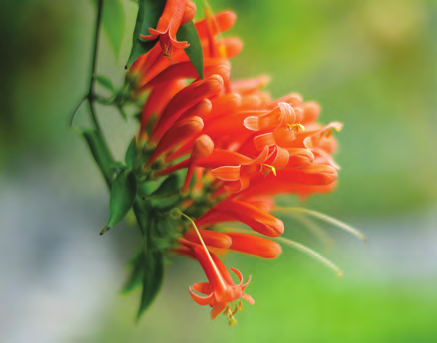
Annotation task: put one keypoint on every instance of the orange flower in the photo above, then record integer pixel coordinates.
(236, 141)
(221, 293)
(211, 238)
(187, 97)
(232, 210)
(168, 25)
(253, 245)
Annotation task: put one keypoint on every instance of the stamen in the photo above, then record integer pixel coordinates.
(230, 315)
(329, 132)
(296, 127)
(271, 168)
(315, 229)
(311, 253)
(299, 247)
(326, 218)
(206, 249)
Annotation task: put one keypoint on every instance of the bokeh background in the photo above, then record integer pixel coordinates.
(370, 64)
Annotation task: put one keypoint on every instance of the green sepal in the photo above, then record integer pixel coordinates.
(123, 193)
(151, 124)
(117, 165)
(188, 32)
(138, 116)
(101, 153)
(104, 82)
(131, 153)
(170, 186)
(153, 266)
(149, 12)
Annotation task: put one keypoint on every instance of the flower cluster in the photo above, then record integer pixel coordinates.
(237, 146)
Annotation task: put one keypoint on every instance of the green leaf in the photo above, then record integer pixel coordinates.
(113, 22)
(149, 12)
(123, 193)
(188, 32)
(131, 153)
(170, 185)
(101, 153)
(137, 274)
(152, 279)
(104, 81)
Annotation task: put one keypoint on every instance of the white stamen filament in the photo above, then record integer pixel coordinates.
(325, 218)
(206, 250)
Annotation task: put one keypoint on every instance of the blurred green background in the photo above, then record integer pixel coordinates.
(369, 64)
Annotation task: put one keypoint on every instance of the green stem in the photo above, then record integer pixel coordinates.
(90, 95)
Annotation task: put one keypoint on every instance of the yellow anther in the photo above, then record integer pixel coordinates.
(296, 127)
(329, 132)
(230, 315)
(271, 168)
(235, 311)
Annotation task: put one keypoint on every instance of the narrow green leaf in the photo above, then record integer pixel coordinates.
(149, 12)
(188, 32)
(113, 22)
(152, 279)
(144, 217)
(131, 153)
(123, 193)
(137, 274)
(101, 153)
(104, 81)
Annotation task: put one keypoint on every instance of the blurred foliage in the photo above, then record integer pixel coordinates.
(370, 64)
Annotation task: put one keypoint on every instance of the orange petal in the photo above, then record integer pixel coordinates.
(299, 158)
(187, 97)
(311, 111)
(224, 21)
(293, 99)
(158, 99)
(254, 245)
(211, 238)
(178, 134)
(248, 214)
(228, 173)
(264, 140)
(225, 104)
(189, 13)
(201, 300)
(245, 87)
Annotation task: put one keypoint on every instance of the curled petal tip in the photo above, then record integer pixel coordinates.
(249, 299)
(239, 275)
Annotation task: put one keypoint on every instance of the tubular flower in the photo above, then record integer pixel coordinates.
(221, 293)
(175, 12)
(229, 144)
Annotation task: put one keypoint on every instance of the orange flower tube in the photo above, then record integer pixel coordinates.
(167, 27)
